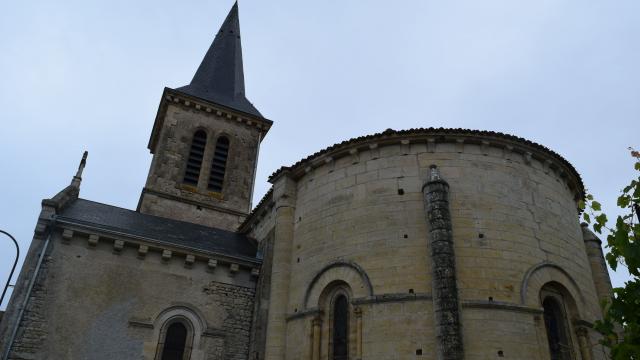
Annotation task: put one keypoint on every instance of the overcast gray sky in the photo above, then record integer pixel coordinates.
(87, 74)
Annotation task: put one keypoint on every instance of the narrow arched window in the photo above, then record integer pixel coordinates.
(556, 326)
(219, 164)
(194, 162)
(175, 342)
(340, 328)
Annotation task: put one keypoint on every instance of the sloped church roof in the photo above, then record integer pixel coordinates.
(182, 234)
(220, 76)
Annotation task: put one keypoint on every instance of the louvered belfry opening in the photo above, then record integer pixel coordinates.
(194, 163)
(219, 164)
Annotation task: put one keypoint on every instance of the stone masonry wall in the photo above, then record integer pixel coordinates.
(514, 224)
(32, 333)
(238, 304)
(92, 302)
(168, 168)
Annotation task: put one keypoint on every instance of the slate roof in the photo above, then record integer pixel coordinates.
(220, 77)
(157, 229)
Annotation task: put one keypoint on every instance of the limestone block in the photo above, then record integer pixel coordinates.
(118, 245)
(93, 240)
(142, 251)
(189, 260)
(67, 234)
(166, 255)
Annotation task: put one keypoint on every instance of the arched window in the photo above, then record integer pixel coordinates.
(557, 329)
(176, 339)
(340, 336)
(175, 342)
(219, 164)
(194, 162)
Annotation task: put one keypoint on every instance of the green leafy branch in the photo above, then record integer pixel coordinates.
(620, 325)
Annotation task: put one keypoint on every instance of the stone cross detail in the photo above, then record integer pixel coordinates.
(445, 291)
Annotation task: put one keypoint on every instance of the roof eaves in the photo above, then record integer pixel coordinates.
(453, 132)
(117, 232)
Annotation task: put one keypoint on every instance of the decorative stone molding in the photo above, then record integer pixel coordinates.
(118, 245)
(189, 260)
(142, 251)
(358, 313)
(509, 144)
(316, 333)
(212, 264)
(405, 147)
(484, 145)
(546, 165)
(460, 146)
(220, 111)
(431, 145)
(305, 313)
(355, 157)
(391, 297)
(67, 234)
(527, 156)
(549, 272)
(508, 152)
(500, 305)
(166, 255)
(330, 163)
(233, 269)
(93, 240)
(140, 323)
(192, 321)
(323, 277)
(374, 150)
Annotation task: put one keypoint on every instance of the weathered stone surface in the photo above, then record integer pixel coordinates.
(445, 289)
(165, 193)
(85, 301)
(506, 216)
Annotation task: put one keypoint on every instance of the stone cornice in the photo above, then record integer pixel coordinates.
(161, 194)
(171, 96)
(511, 147)
(500, 305)
(143, 245)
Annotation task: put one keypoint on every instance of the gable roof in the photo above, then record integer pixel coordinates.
(161, 230)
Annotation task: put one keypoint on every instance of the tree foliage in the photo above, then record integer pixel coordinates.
(620, 326)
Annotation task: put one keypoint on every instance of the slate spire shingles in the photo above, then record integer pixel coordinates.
(220, 77)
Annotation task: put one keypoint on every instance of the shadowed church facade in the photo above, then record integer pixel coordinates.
(415, 244)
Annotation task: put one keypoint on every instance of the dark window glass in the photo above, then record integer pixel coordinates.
(341, 328)
(174, 342)
(194, 162)
(219, 164)
(559, 347)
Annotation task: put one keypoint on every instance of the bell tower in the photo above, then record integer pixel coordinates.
(205, 141)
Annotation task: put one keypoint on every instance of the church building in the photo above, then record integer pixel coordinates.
(407, 244)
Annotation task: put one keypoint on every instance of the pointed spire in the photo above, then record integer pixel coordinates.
(220, 77)
(77, 179)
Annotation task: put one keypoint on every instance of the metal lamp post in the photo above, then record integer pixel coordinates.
(15, 262)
